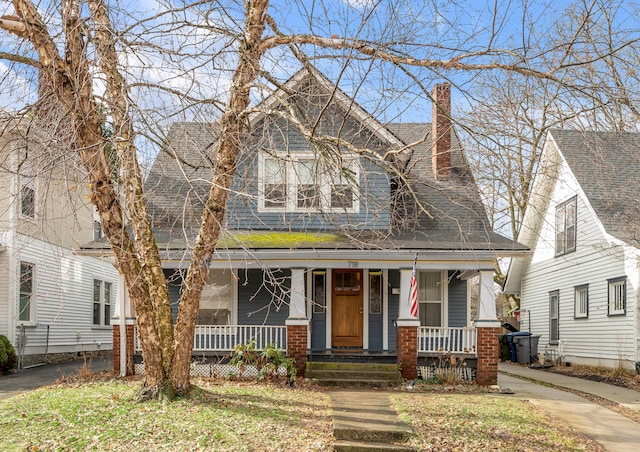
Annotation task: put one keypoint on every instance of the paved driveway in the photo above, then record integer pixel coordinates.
(36, 377)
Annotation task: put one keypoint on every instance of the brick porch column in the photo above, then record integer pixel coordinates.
(406, 331)
(407, 349)
(487, 371)
(488, 329)
(298, 322)
(123, 332)
(117, 348)
(297, 335)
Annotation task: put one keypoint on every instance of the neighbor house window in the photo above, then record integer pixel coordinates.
(27, 191)
(581, 295)
(299, 182)
(566, 227)
(554, 317)
(26, 304)
(618, 296)
(430, 297)
(102, 294)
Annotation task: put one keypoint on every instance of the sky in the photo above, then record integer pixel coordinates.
(204, 58)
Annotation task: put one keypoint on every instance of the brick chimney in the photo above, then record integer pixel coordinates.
(441, 131)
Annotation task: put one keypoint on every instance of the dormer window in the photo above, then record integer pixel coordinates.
(566, 231)
(299, 182)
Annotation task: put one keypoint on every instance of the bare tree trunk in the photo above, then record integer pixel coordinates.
(117, 97)
(232, 127)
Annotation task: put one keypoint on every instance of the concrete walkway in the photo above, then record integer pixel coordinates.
(35, 377)
(365, 420)
(614, 431)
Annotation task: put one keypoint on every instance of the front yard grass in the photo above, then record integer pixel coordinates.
(472, 422)
(236, 416)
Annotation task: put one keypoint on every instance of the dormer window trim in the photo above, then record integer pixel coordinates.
(297, 183)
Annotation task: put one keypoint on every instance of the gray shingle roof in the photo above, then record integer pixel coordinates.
(607, 167)
(456, 219)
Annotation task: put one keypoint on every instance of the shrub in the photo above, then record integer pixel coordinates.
(8, 357)
(266, 363)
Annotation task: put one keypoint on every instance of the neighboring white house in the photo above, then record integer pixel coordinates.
(54, 304)
(580, 284)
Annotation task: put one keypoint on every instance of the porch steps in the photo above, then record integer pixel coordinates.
(353, 374)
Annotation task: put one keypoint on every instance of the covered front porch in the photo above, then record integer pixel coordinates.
(334, 312)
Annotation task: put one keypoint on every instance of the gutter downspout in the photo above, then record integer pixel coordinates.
(12, 247)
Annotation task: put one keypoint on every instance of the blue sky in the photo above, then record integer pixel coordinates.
(426, 29)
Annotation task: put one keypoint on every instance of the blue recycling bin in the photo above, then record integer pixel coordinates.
(513, 349)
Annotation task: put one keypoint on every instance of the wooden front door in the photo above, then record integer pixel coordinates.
(346, 309)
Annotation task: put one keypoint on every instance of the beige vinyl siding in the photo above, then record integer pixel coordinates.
(4, 292)
(596, 259)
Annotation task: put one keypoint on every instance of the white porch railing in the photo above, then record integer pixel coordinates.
(224, 338)
(462, 340)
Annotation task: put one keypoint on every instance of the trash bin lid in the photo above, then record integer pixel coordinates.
(509, 327)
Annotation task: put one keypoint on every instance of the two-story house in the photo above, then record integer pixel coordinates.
(579, 287)
(54, 304)
(328, 214)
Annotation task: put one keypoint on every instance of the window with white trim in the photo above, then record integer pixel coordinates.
(431, 299)
(299, 182)
(319, 292)
(554, 317)
(581, 299)
(26, 305)
(617, 296)
(27, 191)
(102, 296)
(566, 231)
(217, 298)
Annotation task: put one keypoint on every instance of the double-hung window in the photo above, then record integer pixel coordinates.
(431, 299)
(27, 191)
(102, 293)
(26, 303)
(617, 296)
(297, 182)
(566, 230)
(581, 300)
(554, 317)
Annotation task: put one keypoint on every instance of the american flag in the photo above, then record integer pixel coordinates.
(413, 293)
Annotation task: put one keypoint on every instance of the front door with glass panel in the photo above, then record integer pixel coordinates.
(346, 309)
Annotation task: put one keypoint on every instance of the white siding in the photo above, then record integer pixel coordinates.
(598, 339)
(63, 289)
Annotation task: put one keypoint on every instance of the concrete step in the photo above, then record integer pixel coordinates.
(366, 446)
(354, 382)
(351, 374)
(321, 365)
(378, 432)
(347, 373)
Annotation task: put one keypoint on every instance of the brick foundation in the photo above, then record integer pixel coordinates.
(116, 349)
(297, 346)
(407, 348)
(488, 351)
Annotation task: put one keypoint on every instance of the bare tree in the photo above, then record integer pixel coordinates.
(510, 115)
(371, 47)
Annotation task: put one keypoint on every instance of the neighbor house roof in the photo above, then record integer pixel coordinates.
(607, 167)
